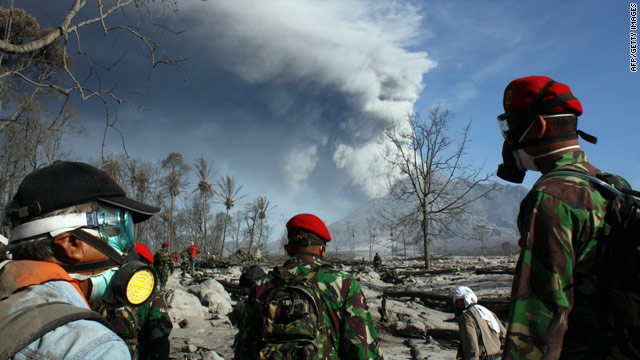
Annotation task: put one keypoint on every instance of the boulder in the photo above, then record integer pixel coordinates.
(213, 295)
(183, 305)
(173, 282)
(211, 355)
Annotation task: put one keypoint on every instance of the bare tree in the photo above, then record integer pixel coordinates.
(235, 222)
(38, 59)
(205, 188)
(251, 219)
(34, 139)
(228, 191)
(173, 183)
(371, 234)
(432, 185)
(481, 233)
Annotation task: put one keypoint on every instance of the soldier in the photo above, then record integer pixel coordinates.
(144, 328)
(553, 312)
(377, 262)
(163, 264)
(481, 332)
(309, 310)
(249, 278)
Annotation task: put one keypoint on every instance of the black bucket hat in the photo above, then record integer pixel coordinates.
(65, 184)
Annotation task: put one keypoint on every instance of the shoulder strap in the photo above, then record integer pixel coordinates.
(21, 329)
(603, 185)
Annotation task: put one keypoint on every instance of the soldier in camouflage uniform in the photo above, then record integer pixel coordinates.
(144, 328)
(348, 329)
(162, 264)
(377, 262)
(553, 310)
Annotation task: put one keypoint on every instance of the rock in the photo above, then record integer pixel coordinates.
(213, 295)
(173, 282)
(211, 355)
(192, 348)
(415, 327)
(184, 305)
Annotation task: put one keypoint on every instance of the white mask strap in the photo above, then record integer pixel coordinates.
(53, 225)
(557, 151)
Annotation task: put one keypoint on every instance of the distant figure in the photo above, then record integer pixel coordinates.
(145, 328)
(163, 264)
(174, 257)
(481, 332)
(191, 252)
(377, 262)
(306, 309)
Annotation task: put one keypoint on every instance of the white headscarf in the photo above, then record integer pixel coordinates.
(469, 297)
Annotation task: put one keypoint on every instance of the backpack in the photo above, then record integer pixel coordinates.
(618, 264)
(31, 323)
(293, 320)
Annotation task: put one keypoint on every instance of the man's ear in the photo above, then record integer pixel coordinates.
(323, 249)
(541, 126)
(67, 248)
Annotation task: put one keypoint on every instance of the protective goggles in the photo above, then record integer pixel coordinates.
(514, 126)
(111, 224)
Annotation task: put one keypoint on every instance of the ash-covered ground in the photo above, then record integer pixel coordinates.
(412, 307)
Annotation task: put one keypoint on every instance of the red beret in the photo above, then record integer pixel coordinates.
(144, 252)
(164, 244)
(310, 223)
(539, 95)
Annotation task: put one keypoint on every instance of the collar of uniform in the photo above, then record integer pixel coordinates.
(302, 262)
(572, 157)
(306, 258)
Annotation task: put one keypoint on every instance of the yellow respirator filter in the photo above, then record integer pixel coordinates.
(140, 286)
(134, 283)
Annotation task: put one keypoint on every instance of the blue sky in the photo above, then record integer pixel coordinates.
(481, 46)
(291, 97)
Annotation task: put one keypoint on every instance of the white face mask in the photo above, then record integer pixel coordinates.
(526, 162)
(100, 284)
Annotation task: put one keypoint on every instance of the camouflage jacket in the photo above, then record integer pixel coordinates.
(351, 331)
(162, 260)
(145, 328)
(553, 312)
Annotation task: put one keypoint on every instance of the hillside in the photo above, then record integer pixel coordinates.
(497, 214)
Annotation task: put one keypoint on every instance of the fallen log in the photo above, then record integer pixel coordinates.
(444, 302)
(427, 272)
(494, 271)
(231, 287)
(444, 334)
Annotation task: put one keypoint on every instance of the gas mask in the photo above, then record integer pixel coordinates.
(110, 231)
(511, 168)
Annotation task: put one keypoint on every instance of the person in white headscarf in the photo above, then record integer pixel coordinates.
(481, 332)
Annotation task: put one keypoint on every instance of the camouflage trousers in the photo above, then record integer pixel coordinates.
(163, 276)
